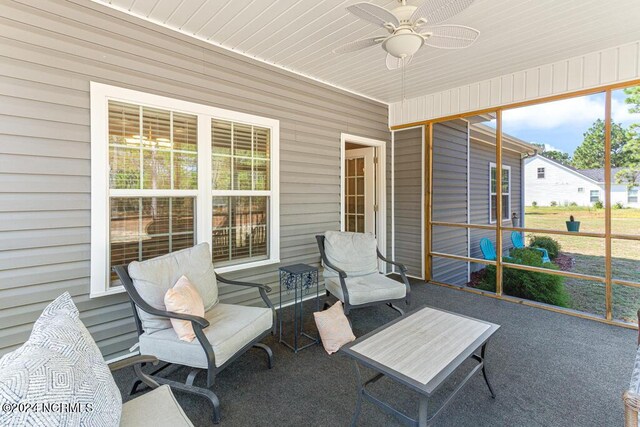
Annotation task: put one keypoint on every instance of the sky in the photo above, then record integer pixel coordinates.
(560, 125)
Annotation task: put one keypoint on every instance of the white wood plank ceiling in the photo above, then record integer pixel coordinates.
(299, 35)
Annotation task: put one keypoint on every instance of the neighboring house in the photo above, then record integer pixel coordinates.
(548, 181)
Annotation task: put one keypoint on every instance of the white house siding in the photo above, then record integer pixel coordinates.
(559, 184)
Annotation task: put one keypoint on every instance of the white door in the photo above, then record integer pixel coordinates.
(360, 199)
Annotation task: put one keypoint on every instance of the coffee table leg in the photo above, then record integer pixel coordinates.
(484, 370)
(356, 414)
(423, 416)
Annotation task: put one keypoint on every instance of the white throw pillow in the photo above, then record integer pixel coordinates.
(333, 327)
(184, 298)
(58, 377)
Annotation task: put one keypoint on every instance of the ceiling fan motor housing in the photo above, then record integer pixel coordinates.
(404, 13)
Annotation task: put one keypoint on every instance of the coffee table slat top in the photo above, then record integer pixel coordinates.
(424, 343)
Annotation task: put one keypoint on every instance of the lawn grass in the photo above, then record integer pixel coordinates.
(589, 255)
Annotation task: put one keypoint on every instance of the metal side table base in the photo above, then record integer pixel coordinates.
(299, 278)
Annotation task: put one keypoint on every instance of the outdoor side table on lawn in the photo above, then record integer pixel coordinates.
(301, 279)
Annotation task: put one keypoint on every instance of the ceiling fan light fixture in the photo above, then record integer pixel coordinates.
(403, 45)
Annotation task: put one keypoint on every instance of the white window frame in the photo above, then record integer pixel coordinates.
(492, 165)
(544, 172)
(101, 94)
(591, 196)
(629, 190)
(580, 189)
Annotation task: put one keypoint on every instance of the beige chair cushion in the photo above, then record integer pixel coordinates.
(367, 289)
(355, 253)
(231, 328)
(184, 298)
(157, 408)
(334, 328)
(154, 277)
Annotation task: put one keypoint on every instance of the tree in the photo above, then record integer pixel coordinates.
(590, 154)
(552, 154)
(629, 176)
(558, 156)
(633, 147)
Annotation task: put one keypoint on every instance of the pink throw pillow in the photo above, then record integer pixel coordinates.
(333, 327)
(184, 298)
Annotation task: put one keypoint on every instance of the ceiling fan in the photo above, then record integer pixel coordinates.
(411, 27)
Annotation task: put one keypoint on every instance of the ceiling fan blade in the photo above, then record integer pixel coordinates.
(436, 11)
(374, 14)
(394, 63)
(359, 44)
(450, 36)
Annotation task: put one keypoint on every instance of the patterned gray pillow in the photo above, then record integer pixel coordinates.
(58, 377)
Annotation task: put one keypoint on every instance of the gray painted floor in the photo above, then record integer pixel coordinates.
(548, 369)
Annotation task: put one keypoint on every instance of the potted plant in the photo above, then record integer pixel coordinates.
(573, 225)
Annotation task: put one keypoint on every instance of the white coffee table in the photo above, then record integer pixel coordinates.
(420, 350)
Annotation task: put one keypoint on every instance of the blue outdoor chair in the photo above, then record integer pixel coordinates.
(518, 243)
(489, 251)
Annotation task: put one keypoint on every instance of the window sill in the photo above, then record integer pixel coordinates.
(245, 266)
(111, 291)
(503, 221)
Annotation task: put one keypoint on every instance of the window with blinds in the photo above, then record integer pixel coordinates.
(168, 174)
(493, 190)
(150, 149)
(241, 191)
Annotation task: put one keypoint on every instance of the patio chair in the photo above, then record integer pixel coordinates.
(518, 243)
(489, 251)
(225, 333)
(351, 272)
(60, 362)
(158, 407)
(631, 397)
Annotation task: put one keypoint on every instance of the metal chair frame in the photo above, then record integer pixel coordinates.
(345, 292)
(199, 324)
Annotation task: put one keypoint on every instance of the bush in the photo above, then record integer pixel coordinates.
(618, 205)
(551, 245)
(598, 204)
(534, 286)
(534, 204)
(553, 203)
(572, 204)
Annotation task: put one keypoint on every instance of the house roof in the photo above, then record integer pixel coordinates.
(596, 175)
(480, 131)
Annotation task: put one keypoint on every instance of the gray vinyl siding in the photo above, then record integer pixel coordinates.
(450, 199)
(408, 199)
(482, 155)
(51, 50)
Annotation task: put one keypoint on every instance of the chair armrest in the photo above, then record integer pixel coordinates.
(325, 261)
(136, 362)
(139, 302)
(388, 261)
(196, 321)
(264, 289)
(131, 361)
(239, 283)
